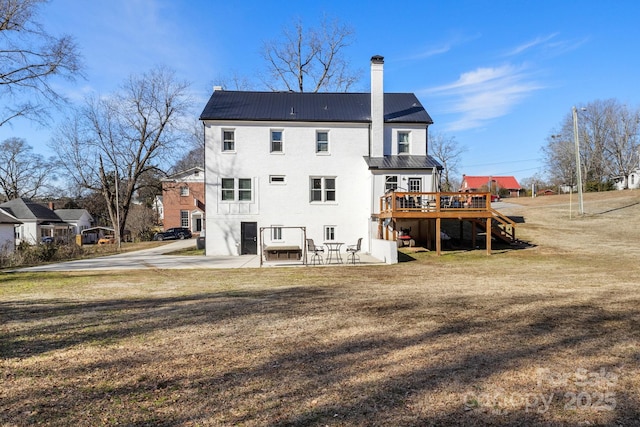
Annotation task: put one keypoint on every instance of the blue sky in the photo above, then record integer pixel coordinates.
(499, 76)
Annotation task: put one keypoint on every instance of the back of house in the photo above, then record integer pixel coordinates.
(282, 166)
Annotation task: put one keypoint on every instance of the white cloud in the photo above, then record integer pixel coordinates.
(530, 44)
(484, 94)
(441, 48)
(547, 46)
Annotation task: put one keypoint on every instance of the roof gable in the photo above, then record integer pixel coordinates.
(6, 218)
(193, 174)
(28, 210)
(72, 214)
(311, 107)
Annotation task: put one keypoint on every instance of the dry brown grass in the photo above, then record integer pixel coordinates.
(463, 339)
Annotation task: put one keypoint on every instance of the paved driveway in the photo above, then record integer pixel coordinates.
(152, 259)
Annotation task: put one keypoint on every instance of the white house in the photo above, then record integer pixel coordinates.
(319, 160)
(37, 221)
(7, 232)
(632, 181)
(78, 219)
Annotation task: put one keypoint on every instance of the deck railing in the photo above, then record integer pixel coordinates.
(408, 201)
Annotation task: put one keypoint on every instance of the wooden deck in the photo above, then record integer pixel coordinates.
(473, 207)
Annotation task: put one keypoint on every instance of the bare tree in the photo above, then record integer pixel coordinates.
(560, 159)
(533, 183)
(623, 148)
(29, 60)
(141, 221)
(195, 156)
(448, 152)
(608, 139)
(113, 142)
(310, 59)
(235, 81)
(22, 172)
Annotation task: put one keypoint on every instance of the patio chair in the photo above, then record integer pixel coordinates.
(353, 250)
(315, 251)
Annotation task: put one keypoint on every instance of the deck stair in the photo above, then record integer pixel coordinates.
(502, 227)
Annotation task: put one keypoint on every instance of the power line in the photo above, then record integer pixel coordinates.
(501, 163)
(521, 170)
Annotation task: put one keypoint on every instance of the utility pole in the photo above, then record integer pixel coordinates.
(578, 165)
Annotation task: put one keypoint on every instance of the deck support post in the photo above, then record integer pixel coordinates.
(488, 229)
(438, 239)
(474, 231)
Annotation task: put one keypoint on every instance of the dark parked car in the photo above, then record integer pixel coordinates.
(173, 234)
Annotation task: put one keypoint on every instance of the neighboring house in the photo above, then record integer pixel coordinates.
(38, 221)
(183, 196)
(78, 219)
(7, 232)
(493, 184)
(631, 182)
(316, 160)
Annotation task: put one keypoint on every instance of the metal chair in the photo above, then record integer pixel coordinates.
(316, 252)
(353, 250)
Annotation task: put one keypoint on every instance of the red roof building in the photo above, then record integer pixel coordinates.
(494, 184)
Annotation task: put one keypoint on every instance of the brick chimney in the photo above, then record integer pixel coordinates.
(377, 107)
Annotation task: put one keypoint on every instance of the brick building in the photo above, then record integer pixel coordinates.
(184, 201)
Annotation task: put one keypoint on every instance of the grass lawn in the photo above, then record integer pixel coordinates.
(548, 335)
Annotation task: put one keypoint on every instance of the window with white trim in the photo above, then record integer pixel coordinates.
(329, 233)
(184, 219)
(403, 142)
(184, 191)
(276, 233)
(228, 140)
(228, 189)
(240, 189)
(322, 142)
(322, 189)
(276, 141)
(244, 189)
(390, 183)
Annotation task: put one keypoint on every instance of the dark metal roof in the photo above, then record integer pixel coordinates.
(26, 209)
(402, 162)
(311, 107)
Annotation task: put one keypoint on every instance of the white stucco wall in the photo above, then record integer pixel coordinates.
(417, 139)
(288, 203)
